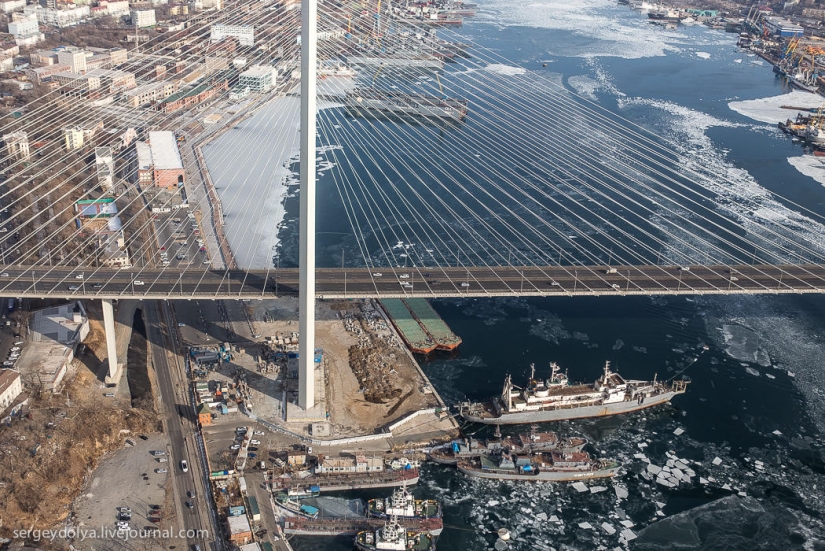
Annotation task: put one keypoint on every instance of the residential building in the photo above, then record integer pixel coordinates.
(196, 95)
(26, 31)
(150, 93)
(204, 415)
(42, 58)
(39, 74)
(358, 464)
(54, 333)
(63, 18)
(74, 58)
(74, 84)
(8, 6)
(17, 145)
(159, 161)
(116, 9)
(258, 78)
(245, 34)
(73, 138)
(239, 530)
(105, 165)
(113, 251)
(11, 386)
(143, 18)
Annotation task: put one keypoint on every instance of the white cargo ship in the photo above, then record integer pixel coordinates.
(556, 399)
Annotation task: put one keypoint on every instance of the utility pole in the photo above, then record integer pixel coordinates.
(306, 296)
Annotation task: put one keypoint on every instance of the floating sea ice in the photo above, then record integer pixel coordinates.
(585, 526)
(716, 461)
(791, 374)
(627, 523)
(737, 61)
(679, 431)
(621, 491)
(541, 516)
(597, 489)
(752, 371)
(660, 513)
(628, 535)
(659, 504)
(607, 527)
(642, 445)
(703, 55)
(777, 433)
(653, 469)
(554, 518)
(726, 486)
(703, 481)
(580, 487)
(493, 503)
(642, 457)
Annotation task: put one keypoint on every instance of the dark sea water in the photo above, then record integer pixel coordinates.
(750, 425)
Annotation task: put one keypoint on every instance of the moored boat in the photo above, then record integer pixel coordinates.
(402, 504)
(535, 441)
(394, 537)
(557, 399)
(540, 467)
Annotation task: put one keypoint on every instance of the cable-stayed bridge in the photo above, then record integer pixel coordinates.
(335, 283)
(536, 191)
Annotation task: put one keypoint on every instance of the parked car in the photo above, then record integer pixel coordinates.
(161, 471)
(258, 433)
(255, 442)
(158, 452)
(253, 455)
(190, 493)
(109, 395)
(235, 447)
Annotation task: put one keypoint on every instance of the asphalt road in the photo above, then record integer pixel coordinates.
(70, 282)
(179, 421)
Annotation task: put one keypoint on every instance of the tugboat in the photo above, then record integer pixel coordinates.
(402, 504)
(394, 537)
(556, 399)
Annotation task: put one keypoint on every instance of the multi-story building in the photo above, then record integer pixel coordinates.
(258, 78)
(39, 74)
(42, 58)
(8, 6)
(54, 333)
(73, 138)
(63, 18)
(17, 145)
(26, 31)
(74, 58)
(159, 161)
(11, 386)
(143, 18)
(150, 93)
(245, 34)
(105, 165)
(74, 84)
(197, 95)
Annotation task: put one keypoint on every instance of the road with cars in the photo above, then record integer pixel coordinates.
(68, 282)
(189, 488)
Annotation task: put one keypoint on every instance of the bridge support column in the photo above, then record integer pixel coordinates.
(111, 342)
(306, 279)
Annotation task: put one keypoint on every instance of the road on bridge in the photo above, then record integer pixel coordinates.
(70, 282)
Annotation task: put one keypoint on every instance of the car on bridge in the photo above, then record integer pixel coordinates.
(138, 282)
(376, 274)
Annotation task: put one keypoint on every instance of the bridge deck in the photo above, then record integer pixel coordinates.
(39, 282)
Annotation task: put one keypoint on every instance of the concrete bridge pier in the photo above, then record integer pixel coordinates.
(113, 375)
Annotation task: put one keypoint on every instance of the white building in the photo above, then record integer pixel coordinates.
(54, 333)
(11, 386)
(258, 78)
(8, 6)
(143, 18)
(17, 145)
(26, 31)
(74, 58)
(63, 18)
(104, 162)
(116, 9)
(73, 138)
(244, 33)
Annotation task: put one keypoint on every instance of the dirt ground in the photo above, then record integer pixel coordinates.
(387, 383)
(50, 453)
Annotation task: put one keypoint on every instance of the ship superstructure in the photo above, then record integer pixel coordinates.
(393, 537)
(402, 504)
(556, 398)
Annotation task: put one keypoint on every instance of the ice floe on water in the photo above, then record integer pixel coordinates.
(809, 166)
(584, 86)
(769, 110)
(507, 70)
(742, 344)
(702, 55)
